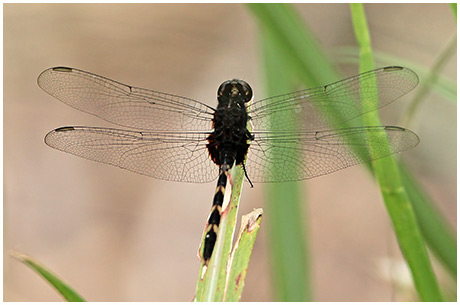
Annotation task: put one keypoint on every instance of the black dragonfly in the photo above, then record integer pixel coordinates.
(293, 136)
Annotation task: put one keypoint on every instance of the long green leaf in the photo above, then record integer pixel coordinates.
(239, 261)
(288, 243)
(212, 278)
(432, 78)
(436, 231)
(441, 85)
(67, 292)
(289, 50)
(393, 192)
(301, 51)
(453, 7)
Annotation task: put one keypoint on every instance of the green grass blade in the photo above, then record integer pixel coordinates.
(442, 85)
(67, 292)
(238, 264)
(453, 7)
(297, 54)
(393, 192)
(302, 58)
(300, 49)
(288, 246)
(435, 229)
(432, 78)
(439, 236)
(212, 278)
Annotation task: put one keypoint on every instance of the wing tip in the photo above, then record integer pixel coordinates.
(56, 69)
(410, 137)
(50, 134)
(404, 70)
(63, 129)
(61, 69)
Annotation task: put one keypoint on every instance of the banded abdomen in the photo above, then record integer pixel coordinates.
(212, 227)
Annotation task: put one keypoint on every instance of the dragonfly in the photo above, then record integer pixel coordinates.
(288, 137)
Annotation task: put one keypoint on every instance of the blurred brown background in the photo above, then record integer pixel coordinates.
(118, 236)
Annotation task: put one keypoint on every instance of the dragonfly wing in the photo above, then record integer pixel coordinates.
(285, 156)
(169, 156)
(125, 105)
(333, 104)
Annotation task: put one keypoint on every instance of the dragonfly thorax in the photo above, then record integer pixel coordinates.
(229, 140)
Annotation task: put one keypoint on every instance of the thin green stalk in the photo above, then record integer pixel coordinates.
(298, 46)
(437, 233)
(212, 278)
(393, 192)
(444, 86)
(288, 243)
(453, 7)
(430, 80)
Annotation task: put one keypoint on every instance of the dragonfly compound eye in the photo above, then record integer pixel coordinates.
(235, 88)
(246, 91)
(224, 89)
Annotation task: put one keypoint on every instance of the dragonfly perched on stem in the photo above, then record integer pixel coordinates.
(295, 136)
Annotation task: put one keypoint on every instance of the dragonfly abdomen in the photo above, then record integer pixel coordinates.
(212, 227)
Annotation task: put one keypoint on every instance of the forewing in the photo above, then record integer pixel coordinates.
(285, 156)
(125, 105)
(329, 106)
(169, 156)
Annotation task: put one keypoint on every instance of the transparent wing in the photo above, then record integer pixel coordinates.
(179, 156)
(125, 105)
(330, 105)
(287, 156)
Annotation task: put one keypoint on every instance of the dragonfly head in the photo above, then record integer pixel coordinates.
(234, 91)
